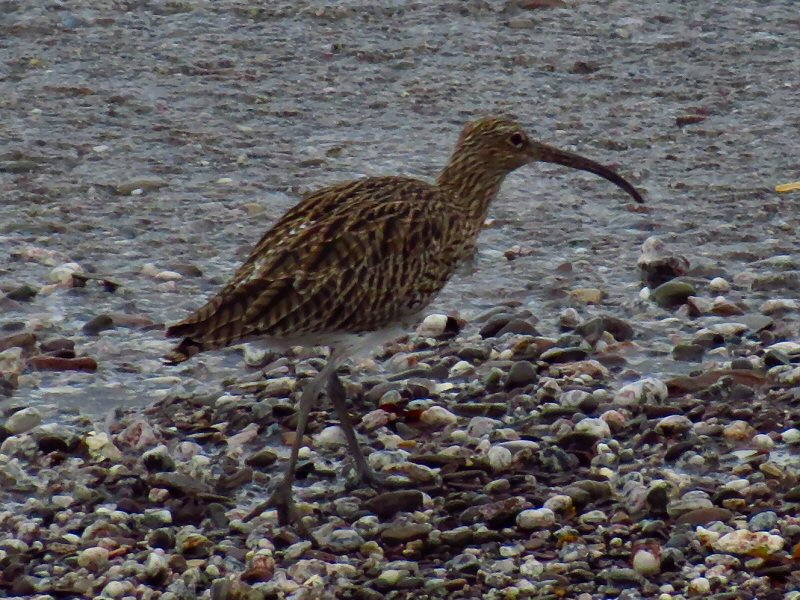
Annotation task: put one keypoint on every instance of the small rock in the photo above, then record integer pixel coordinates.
(658, 265)
(98, 324)
(261, 458)
(587, 295)
(688, 352)
(719, 285)
(649, 390)
(432, 326)
(500, 458)
(23, 420)
(23, 293)
(93, 558)
(646, 562)
(522, 373)
(332, 436)
(563, 355)
(791, 436)
(402, 533)
(673, 425)
(11, 362)
(25, 341)
(593, 329)
(58, 363)
(690, 501)
(193, 544)
(738, 431)
(63, 273)
(763, 521)
(388, 504)
(536, 518)
(156, 568)
(756, 543)
(594, 427)
(672, 293)
(338, 540)
(158, 459)
(438, 416)
(700, 586)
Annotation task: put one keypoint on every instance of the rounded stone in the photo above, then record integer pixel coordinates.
(500, 458)
(93, 558)
(536, 518)
(522, 373)
(23, 420)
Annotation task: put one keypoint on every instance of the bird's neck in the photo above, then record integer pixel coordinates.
(471, 187)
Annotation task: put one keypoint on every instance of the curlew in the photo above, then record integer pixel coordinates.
(353, 265)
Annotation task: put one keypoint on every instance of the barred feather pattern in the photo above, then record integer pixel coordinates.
(362, 255)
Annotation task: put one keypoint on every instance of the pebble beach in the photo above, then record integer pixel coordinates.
(605, 405)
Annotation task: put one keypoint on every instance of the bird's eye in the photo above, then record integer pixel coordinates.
(517, 140)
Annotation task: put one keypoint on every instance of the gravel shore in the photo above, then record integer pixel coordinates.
(605, 405)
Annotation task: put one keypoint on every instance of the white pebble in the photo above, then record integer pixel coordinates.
(481, 426)
(790, 348)
(763, 442)
(438, 416)
(536, 518)
(559, 503)
(646, 562)
(719, 285)
(500, 458)
(778, 305)
(700, 585)
(93, 558)
(791, 436)
(594, 427)
(23, 420)
(673, 425)
(461, 369)
(743, 541)
(432, 325)
(63, 273)
(168, 276)
(331, 437)
(645, 390)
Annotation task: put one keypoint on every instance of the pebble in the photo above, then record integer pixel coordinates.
(646, 562)
(791, 436)
(93, 558)
(500, 458)
(672, 293)
(673, 425)
(332, 436)
(522, 373)
(536, 518)
(648, 390)
(743, 541)
(438, 416)
(23, 420)
(700, 586)
(433, 325)
(597, 428)
(719, 285)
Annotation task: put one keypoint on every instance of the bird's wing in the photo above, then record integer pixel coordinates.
(352, 257)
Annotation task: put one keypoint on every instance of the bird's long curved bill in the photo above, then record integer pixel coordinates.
(545, 153)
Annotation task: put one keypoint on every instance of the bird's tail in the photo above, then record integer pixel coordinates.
(183, 352)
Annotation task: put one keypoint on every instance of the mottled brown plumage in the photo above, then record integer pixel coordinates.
(365, 256)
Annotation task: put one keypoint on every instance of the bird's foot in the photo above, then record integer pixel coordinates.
(366, 476)
(281, 500)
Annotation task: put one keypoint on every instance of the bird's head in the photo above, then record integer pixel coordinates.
(502, 145)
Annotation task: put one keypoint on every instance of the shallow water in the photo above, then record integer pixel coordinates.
(236, 111)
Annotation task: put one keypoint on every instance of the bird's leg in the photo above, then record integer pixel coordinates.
(336, 393)
(281, 498)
